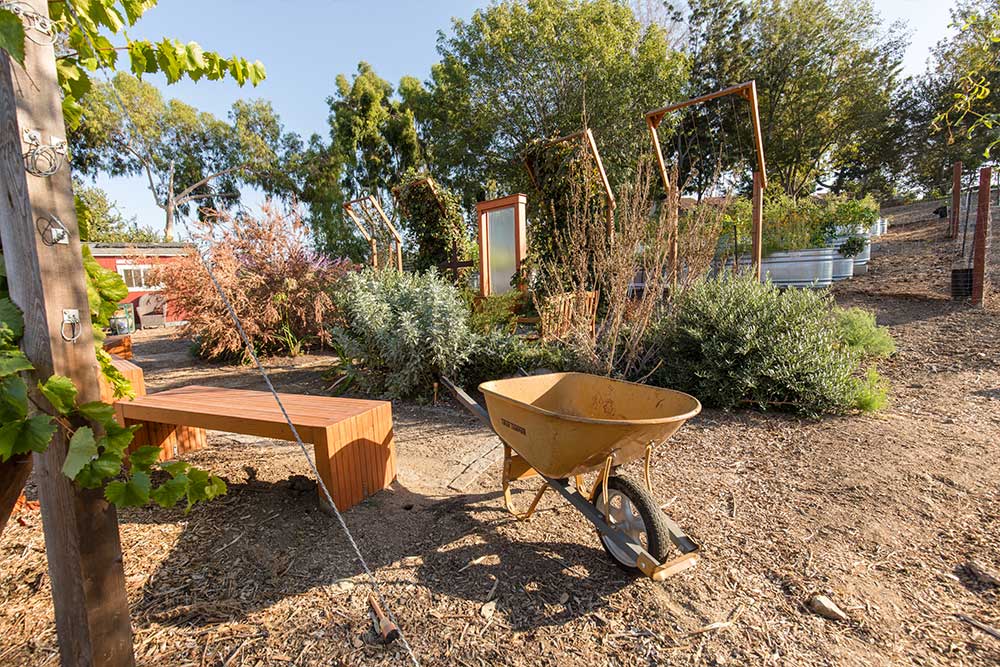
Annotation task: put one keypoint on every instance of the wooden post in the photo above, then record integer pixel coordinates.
(982, 234)
(82, 545)
(14, 473)
(956, 198)
(756, 234)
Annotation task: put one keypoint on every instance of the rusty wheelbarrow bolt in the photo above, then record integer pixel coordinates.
(387, 630)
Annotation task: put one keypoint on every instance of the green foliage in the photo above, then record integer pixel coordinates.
(400, 331)
(433, 218)
(12, 35)
(734, 341)
(87, 28)
(500, 354)
(100, 222)
(826, 71)
(517, 71)
(498, 311)
(856, 328)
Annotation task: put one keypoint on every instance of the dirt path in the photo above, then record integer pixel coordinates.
(879, 513)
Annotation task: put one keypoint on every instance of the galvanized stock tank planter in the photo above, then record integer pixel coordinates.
(810, 267)
(843, 266)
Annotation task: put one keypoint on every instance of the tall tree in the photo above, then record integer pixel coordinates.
(188, 157)
(373, 134)
(100, 221)
(826, 71)
(950, 112)
(520, 71)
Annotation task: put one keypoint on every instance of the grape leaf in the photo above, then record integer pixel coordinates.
(100, 412)
(13, 361)
(13, 398)
(171, 491)
(175, 468)
(105, 466)
(144, 457)
(118, 437)
(82, 450)
(10, 315)
(60, 392)
(8, 436)
(12, 36)
(132, 493)
(36, 434)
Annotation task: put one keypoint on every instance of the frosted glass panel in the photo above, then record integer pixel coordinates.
(502, 254)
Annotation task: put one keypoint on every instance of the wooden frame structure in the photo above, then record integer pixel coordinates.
(588, 138)
(372, 211)
(519, 203)
(748, 91)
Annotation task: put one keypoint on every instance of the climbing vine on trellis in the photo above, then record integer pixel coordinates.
(433, 216)
(561, 172)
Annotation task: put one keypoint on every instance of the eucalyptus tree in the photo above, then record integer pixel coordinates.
(187, 157)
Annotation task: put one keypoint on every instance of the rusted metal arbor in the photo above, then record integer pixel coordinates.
(369, 209)
(747, 91)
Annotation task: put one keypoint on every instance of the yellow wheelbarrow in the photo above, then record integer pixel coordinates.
(562, 425)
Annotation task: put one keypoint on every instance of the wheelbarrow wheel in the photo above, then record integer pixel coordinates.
(633, 510)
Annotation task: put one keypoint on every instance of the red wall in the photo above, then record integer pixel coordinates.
(111, 263)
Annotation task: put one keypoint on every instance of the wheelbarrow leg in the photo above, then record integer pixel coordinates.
(515, 468)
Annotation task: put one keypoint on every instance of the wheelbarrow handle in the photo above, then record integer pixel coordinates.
(467, 401)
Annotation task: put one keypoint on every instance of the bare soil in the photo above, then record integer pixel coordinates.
(880, 513)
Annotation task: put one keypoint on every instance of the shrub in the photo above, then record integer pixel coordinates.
(733, 341)
(278, 286)
(433, 217)
(498, 354)
(857, 329)
(498, 311)
(400, 331)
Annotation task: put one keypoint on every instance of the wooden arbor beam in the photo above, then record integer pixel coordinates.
(364, 232)
(82, 544)
(609, 196)
(747, 91)
(369, 207)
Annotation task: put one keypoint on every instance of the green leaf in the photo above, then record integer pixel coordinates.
(60, 392)
(144, 457)
(13, 361)
(12, 36)
(105, 466)
(82, 450)
(8, 438)
(11, 317)
(175, 468)
(170, 492)
(13, 398)
(36, 434)
(26, 435)
(132, 493)
(118, 437)
(102, 413)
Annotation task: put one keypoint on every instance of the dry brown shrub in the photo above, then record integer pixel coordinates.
(277, 283)
(633, 270)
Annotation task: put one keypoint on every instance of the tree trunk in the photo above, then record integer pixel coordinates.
(168, 228)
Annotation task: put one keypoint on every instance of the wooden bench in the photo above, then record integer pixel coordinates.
(352, 438)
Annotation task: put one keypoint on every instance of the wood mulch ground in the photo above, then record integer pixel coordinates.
(882, 514)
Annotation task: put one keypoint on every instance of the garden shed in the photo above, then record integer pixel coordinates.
(134, 262)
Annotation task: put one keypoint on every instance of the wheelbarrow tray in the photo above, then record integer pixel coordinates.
(566, 424)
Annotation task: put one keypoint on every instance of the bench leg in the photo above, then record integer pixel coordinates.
(324, 451)
(173, 441)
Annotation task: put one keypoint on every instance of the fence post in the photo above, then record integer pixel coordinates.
(758, 223)
(982, 234)
(956, 198)
(46, 279)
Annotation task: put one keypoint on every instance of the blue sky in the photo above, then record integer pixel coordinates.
(304, 44)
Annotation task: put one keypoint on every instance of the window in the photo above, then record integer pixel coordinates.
(136, 277)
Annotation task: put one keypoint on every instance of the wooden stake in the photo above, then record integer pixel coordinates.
(82, 545)
(982, 234)
(14, 472)
(956, 198)
(756, 237)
